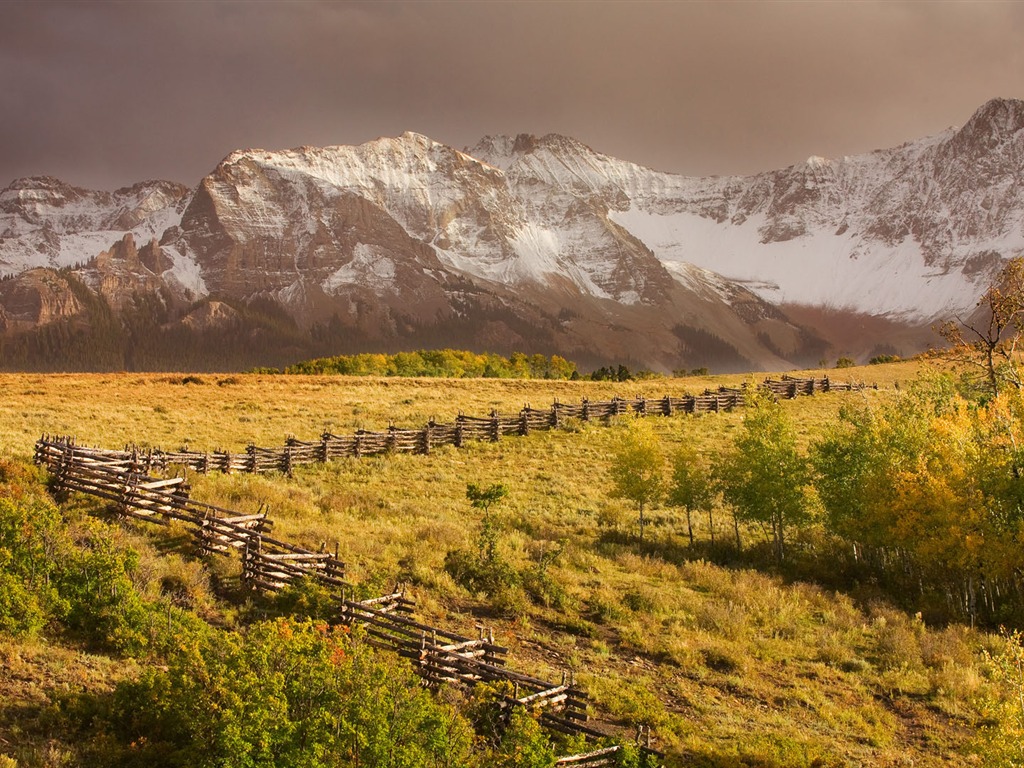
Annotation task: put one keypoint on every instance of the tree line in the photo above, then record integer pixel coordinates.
(919, 501)
(444, 363)
(924, 494)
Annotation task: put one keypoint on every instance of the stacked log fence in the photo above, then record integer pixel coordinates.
(121, 478)
(125, 479)
(439, 656)
(790, 387)
(465, 429)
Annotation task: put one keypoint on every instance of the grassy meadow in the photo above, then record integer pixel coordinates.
(730, 661)
(210, 411)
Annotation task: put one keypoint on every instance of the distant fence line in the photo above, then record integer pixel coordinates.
(464, 429)
(268, 565)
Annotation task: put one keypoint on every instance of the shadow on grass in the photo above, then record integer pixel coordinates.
(830, 566)
(711, 759)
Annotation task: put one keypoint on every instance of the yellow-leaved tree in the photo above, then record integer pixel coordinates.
(930, 491)
(692, 487)
(763, 477)
(638, 468)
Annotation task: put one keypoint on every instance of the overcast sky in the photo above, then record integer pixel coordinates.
(106, 94)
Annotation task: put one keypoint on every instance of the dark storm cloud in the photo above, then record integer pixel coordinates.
(105, 94)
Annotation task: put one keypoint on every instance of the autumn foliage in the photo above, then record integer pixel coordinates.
(928, 490)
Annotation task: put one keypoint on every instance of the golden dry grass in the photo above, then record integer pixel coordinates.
(730, 666)
(231, 410)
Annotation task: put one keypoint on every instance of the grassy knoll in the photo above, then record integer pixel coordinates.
(732, 663)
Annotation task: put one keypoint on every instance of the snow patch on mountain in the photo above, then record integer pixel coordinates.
(701, 281)
(818, 268)
(186, 274)
(369, 267)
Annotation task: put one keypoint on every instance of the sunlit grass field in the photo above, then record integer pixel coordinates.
(209, 411)
(728, 664)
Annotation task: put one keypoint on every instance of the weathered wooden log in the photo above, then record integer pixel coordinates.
(590, 759)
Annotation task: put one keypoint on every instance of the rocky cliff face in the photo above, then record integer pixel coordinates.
(124, 271)
(539, 243)
(35, 298)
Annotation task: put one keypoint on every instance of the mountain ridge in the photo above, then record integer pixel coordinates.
(544, 241)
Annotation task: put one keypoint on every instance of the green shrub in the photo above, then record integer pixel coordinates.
(77, 577)
(478, 574)
(631, 756)
(30, 551)
(641, 601)
(524, 744)
(572, 425)
(510, 600)
(94, 578)
(1001, 740)
(305, 598)
(723, 658)
(897, 642)
(538, 581)
(285, 693)
(485, 570)
(543, 589)
(605, 607)
(21, 610)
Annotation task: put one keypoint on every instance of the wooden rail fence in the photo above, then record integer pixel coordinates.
(267, 563)
(438, 656)
(125, 479)
(463, 430)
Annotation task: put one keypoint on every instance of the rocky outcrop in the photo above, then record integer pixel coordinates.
(210, 315)
(37, 297)
(125, 271)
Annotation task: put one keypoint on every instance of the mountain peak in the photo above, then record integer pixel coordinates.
(42, 185)
(499, 151)
(502, 151)
(996, 121)
(32, 197)
(38, 182)
(417, 138)
(1007, 114)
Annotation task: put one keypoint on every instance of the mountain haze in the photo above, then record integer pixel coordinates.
(518, 243)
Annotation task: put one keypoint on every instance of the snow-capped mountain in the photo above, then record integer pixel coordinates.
(47, 223)
(539, 243)
(406, 236)
(914, 233)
